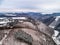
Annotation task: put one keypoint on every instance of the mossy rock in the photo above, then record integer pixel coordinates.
(23, 36)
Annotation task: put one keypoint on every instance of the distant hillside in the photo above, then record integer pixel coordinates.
(45, 18)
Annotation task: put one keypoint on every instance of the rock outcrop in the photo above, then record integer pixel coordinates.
(28, 32)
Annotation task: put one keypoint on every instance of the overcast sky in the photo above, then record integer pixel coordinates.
(45, 6)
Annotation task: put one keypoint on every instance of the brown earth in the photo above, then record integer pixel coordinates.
(40, 34)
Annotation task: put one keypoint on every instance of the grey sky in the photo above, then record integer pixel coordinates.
(45, 6)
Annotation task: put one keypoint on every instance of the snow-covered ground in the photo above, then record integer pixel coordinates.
(56, 36)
